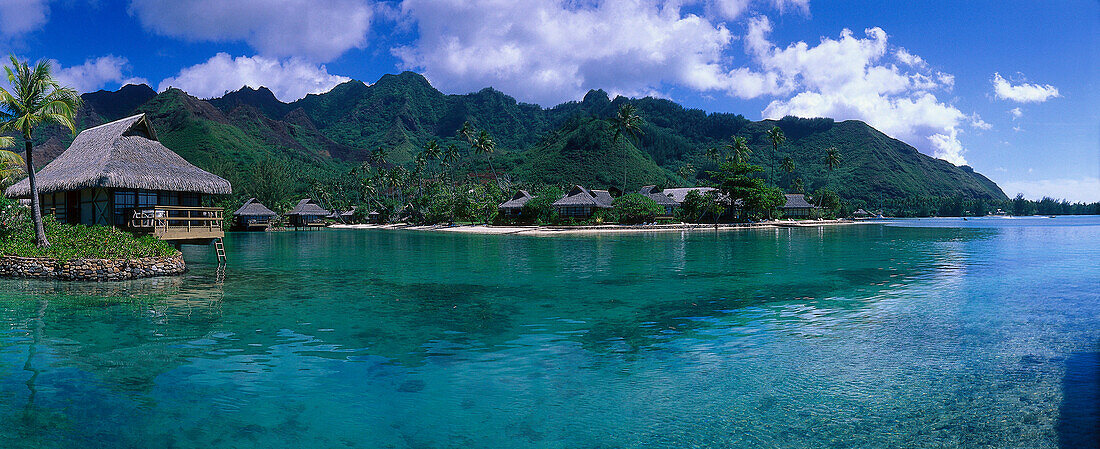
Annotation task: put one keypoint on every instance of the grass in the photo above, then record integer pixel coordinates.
(69, 242)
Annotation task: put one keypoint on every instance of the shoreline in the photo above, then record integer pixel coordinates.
(543, 231)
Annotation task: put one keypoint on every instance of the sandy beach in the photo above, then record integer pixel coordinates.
(597, 229)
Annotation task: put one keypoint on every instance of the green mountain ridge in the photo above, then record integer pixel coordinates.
(566, 144)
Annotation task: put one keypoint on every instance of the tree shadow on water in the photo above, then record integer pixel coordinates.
(1079, 421)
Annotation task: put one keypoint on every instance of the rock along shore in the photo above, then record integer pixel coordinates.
(91, 269)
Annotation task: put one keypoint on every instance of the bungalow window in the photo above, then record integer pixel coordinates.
(190, 199)
(169, 198)
(146, 198)
(123, 201)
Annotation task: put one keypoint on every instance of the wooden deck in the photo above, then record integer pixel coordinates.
(179, 224)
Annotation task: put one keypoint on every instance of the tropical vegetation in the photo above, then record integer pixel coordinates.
(17, 237)
(35, 99)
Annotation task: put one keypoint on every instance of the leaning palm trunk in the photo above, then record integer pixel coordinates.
(36, 208)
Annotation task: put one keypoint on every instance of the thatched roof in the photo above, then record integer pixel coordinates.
(679, 194)
(580, 196)
(517, 201)
(796, 201)
(123, 154)
(658, 195)
(253, 208)
(307, 207)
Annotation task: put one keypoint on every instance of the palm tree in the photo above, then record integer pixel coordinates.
(777, 137)
(788, 164)
(484, 143)
(421, 161)
(379, 156)
(432, 151)
(38, 99)
(714, 154)
(467, 132)
(832, 158)
(740, 149)
(11, 164)
(626, 121)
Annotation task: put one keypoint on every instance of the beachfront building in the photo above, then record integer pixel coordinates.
(253, 216)
(580, 202)
(307, 214)
(343, 216)
(514, 206)
(119, 174)
(679, 194)
(797, 206)
(661, 198)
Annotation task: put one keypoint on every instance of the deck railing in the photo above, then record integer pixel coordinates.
(178, 222)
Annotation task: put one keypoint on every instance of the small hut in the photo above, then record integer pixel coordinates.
(661, 198)
(119, 174)
(797, 206)
(343, 216)
(514, 206)
(253, 216)
(582, 203)
(307, 214)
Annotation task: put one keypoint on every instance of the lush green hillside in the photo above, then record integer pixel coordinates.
(583, 152)
(570, 143)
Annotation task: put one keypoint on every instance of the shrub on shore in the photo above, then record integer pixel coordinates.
(72, 241)
(635, 208)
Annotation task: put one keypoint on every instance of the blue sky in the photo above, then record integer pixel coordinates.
(1008, 87)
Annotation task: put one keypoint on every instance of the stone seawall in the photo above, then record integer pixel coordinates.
(91, 269)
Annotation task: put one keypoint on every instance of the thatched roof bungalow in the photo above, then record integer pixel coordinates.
(797, 206)
(119, 174)
(582, 203)
(514, 205)
(662, 199)
(253, 216)
(307, 214)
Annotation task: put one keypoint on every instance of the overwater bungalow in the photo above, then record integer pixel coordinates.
(661, 198)
(580, 202)
(119, 174)
(514, 206)
(797, 206)
(253, 216)
(307, 214)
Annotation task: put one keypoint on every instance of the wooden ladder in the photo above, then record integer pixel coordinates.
(219, 248)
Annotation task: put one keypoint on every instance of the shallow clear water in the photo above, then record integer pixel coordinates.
(921, 333)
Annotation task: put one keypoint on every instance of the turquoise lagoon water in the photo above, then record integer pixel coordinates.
(922, 333)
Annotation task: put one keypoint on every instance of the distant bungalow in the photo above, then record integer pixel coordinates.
(580, 202)
(661, 198)
(307, 214)
(343, 216)
(514, 206)
(119, 174)
(253, 216)
(797, 206)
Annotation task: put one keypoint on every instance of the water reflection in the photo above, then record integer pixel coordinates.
(733, 338)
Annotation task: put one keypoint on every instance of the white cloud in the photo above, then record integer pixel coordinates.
(909, 59)
(734, 9)
(549, 51)
(22, 16)
(1023, 92)
(1016, 113)
(1085, 189)
(95, 74)
(847, 78)
(308, 29)
(289, 79)
(977, 122)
